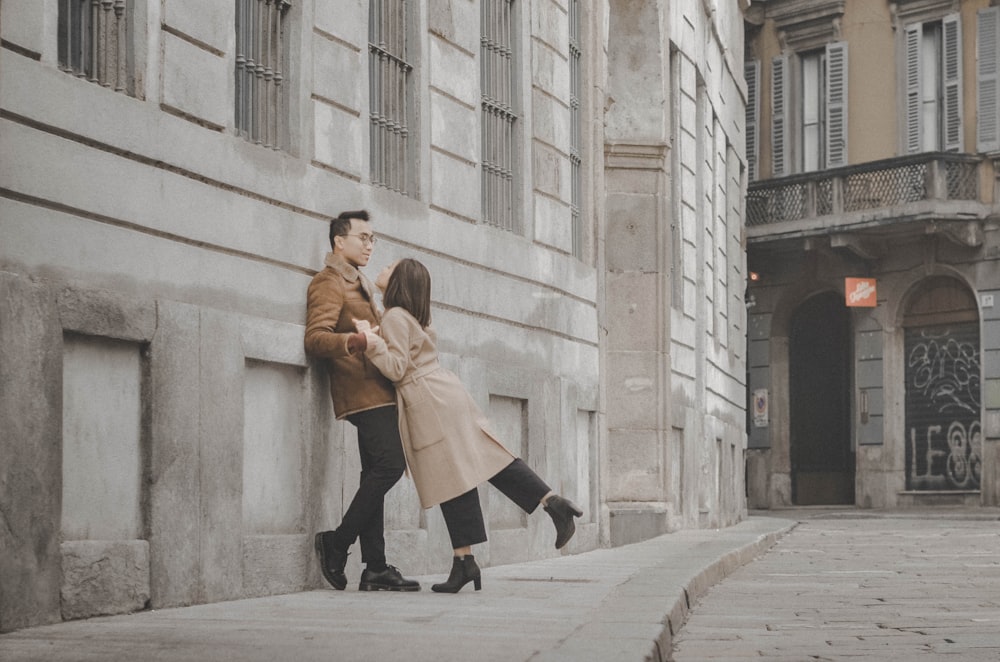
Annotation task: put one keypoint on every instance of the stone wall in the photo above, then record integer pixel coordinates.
(170, 442)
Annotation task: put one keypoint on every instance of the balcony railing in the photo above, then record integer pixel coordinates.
(869, 186)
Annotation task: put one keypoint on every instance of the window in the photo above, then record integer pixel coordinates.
(987, 80)
(813, 104)
(390, 95)
(95, 42)
(751, 73)
(933, 86)
(260, 71)
(497, 83)
(576, 127)
(819, 112)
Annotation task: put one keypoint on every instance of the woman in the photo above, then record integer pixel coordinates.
(449, 448)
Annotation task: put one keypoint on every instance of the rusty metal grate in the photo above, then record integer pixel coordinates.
(885, 187)
(963, 183)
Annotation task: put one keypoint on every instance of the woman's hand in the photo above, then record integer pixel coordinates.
(364, 326)
(372, 338)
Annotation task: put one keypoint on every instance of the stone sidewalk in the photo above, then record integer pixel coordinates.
(859, 585)
(624, 603)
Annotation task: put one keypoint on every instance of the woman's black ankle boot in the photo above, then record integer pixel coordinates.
(562, 511)
(463, 571)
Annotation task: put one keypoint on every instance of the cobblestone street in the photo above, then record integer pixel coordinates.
(846, 586)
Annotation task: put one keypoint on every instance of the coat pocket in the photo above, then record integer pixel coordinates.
(422, 420)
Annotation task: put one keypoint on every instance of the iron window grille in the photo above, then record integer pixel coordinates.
(389, 80)
(576, 128)
(497, 81)
(260, 105)
(95, 42)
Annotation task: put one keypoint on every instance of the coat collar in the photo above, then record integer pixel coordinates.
(349, 272)
(342, 267)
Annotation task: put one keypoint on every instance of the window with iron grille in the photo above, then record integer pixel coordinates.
(261, 70)
(576, 127)
(390, 95)
(95, 42)
(497, 82)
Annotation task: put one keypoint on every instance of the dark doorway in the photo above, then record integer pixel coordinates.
(819, 402)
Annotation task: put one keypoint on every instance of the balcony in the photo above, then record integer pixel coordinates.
(918, 194)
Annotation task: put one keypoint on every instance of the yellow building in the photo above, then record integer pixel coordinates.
(873, 309)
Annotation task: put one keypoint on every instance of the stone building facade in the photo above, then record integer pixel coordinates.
(571, 173)
(872, 244)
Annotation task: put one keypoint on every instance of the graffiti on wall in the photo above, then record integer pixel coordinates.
(944, 433)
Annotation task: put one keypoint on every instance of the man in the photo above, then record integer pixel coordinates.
(338, 295)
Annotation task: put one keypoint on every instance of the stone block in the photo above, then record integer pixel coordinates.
(635, 72)
(551, 172)
(634, 460)
(633, 394)
(26, 24)
(30, 434)
(104, 577)
(759, 326)
(552, 224)
(339, 77)
(174, 490)
(273, 449)
(759, 353)
(344, 19)
(450, 181)
(633, 239)
(550, 24)
(456, 22)
(337, 137)
(275, 564)
(550, 75)
(991, 334)
(102, 467)
(196, 82)
(455, 72)
(630, 524)
(210, 23)
(106, 314)
(451, 125)
(632, 311)
(221, 421)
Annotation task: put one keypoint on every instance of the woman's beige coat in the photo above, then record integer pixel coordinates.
(446, 438)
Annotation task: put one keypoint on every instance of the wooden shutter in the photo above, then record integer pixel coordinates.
(836, 104)
(912, 37)
(751, 71)
(951, 53)
(779, 119)
(987, 106)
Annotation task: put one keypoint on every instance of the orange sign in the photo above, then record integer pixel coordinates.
(860, 292)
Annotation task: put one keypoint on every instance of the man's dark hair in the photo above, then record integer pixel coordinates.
(409, 287)
(341, 225)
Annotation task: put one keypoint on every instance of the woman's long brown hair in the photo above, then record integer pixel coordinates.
(409, 287)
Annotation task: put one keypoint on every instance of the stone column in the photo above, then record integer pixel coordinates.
(30, 445)
(635, 250)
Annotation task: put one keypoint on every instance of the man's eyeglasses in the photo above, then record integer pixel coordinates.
(367, 239)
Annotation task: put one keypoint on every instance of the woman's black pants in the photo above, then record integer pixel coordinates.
(464, 516)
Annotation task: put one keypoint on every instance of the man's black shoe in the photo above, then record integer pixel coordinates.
(386, 580)
(331, 560)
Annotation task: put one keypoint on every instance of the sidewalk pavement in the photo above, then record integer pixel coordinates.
(614, 604)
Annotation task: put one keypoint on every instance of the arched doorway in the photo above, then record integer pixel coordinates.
(943, 403)
(822, 456)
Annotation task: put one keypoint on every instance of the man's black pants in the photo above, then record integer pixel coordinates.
(382, 464)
